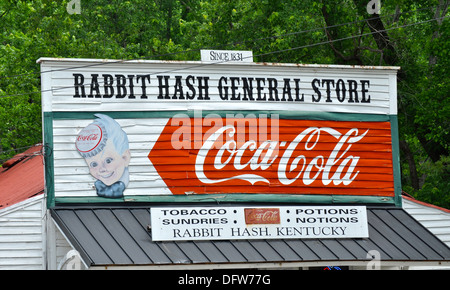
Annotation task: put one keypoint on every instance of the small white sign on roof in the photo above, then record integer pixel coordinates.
(228, 56)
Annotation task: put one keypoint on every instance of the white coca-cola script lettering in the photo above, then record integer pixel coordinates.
(268, 216)
(337, 168)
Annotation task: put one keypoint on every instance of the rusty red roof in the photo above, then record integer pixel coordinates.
(22, 177)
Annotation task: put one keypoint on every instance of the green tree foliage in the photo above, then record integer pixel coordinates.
(402, 34)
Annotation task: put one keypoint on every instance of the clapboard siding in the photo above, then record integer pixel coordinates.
(72, 176)
(434, 219)
(22, 235)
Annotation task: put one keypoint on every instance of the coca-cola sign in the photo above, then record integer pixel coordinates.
(238, 132)
(271, 155)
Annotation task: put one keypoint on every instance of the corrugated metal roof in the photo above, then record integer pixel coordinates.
(107, 236)
(22, 177)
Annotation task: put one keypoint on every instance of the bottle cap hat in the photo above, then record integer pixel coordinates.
(91, 140)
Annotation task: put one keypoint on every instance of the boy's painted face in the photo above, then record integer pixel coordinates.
(108, 165)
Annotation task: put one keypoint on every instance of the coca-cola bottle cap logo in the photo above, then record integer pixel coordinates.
(89, 138)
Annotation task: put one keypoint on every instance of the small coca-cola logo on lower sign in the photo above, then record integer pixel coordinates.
(262, 216)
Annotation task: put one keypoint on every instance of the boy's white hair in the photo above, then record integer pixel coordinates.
(113, 132)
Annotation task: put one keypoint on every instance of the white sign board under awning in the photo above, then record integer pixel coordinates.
(273, 222)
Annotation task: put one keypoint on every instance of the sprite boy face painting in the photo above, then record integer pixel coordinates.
(108, 166)
(104, 146)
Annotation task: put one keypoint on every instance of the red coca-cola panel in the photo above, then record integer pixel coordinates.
(255, 216)
(232, 155)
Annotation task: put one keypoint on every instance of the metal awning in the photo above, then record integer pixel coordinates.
(108, 236)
